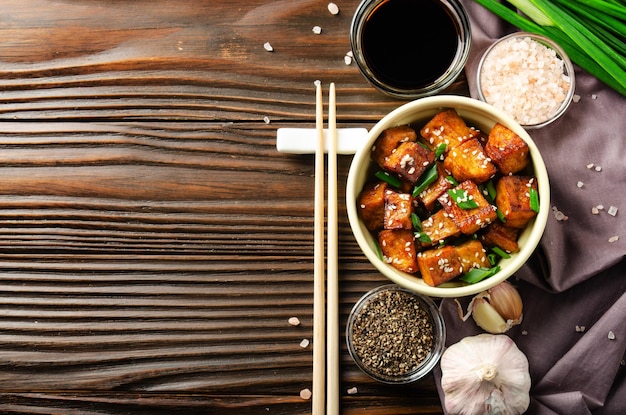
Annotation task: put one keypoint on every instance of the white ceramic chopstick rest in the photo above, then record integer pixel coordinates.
(303, 140)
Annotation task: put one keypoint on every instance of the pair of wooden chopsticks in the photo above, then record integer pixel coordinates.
(326, 316)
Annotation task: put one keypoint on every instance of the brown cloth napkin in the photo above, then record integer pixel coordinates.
(574, 286)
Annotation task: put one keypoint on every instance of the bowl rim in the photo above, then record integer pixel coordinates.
(418, 110)
(568, 69)
(439, 334)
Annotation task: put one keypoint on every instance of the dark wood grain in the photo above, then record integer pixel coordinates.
(153, 242)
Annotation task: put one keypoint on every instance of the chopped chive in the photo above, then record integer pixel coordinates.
(492, 258)
(452, 181)
(500, 252)
(388, 178)
(478, 274)
(461, 198)
(500, 215)
(491, 191)
(417, 222)
(379, 252)
(441, 148)
(422, 237)
(428, 177)
(534, 200)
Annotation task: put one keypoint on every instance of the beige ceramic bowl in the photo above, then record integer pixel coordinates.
(475, 113)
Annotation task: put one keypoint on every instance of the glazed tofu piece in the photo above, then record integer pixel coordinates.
(469, 220)
(371, 205)
(446, 127)
(498, 235)
(398, 209)
(507, 150)
(429, 196)
(409, 161)
(439, 265)
(389, 140)
(398, 249)
(472, 254)
(468, 161)
(439, 227)
(513, 200)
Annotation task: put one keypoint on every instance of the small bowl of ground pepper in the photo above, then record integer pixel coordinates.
(395, 335)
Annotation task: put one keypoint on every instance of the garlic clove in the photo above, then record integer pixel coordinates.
(487, 317)
(505, 298)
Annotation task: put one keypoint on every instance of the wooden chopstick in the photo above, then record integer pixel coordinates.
(332, 263)
(319, 359)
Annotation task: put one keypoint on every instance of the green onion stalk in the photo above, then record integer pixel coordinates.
(591, 32)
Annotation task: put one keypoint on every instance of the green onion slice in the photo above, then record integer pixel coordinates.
(441, 148)
(452, 181)
(417, 222)
(534, 200)
(478, 274)
(500, 215)
(388, 178)
(461, 198)
(422, 237)
(426, 179)
(500, 252)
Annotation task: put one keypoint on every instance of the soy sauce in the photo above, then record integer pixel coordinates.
(408, 44)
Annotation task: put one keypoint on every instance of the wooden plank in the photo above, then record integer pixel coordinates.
(191, 59)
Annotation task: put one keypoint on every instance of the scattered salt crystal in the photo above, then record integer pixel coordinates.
(611, 335)
(600, 207)
(580, 329)
(333, 8)
(349, 53)
(613, 239)
(612, 211)
(590, 166)
(594, 96)
(576, 98)
(294, 321)
(347, 59)
(560, 216)
(598, 168)
(306, 394)
(304, 343)
(352, 391)
(524, 333)
(595, 210)
(317, 30)
(580, 184)
(268, 47)
(266, 119)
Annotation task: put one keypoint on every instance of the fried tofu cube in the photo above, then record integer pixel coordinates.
(398, 249)
(371, 205)
(446, 127)
(429, 196)
(409, 161)
(439, 227)
(472, 254)
(507, 150)
(468, 220)
(513, 200)
(389, 140)
(439, 265)
(398, 209)
(468, 161)
(498, 235)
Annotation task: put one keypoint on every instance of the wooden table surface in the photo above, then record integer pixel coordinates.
(154, 242)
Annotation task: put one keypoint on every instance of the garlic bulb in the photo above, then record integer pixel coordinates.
(485, 374)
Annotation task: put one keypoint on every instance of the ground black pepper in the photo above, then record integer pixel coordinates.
(393, 333)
